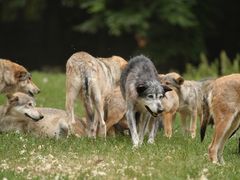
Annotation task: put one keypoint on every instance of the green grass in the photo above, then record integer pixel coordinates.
(24, 156)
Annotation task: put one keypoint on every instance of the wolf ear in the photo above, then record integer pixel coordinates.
(166, 88)
(22, 75)
(9, 96)
(141, 88)
(12, 98)
(180, 80)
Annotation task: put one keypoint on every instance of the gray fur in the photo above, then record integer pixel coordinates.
(143, 93)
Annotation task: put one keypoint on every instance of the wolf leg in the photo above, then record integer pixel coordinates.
(167, 123)
(143, 124)
(154, 130)
(132, 126)
(193, 123)
(217, 144)
(232, 126)
(72, 91)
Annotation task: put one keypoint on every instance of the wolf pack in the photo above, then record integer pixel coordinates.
(119, 95)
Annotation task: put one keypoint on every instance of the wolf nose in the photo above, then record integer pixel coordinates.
(41, 117)
(38, 91)
(160, 111)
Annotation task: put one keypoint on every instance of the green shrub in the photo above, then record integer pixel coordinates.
(222, 66)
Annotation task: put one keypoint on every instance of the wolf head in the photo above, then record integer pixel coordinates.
(22, 106)
(173, 80)
(17, 78)
(150, 95)
(25, 83)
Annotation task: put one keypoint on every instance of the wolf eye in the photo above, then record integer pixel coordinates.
(161, 96)
(150, 96)
(30, 104)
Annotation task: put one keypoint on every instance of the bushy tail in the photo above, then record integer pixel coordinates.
(206, 117)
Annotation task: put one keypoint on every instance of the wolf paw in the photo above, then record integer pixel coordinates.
(151, 141)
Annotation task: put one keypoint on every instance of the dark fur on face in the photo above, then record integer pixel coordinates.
(151, 87)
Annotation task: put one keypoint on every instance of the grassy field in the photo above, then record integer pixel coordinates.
(24, 156)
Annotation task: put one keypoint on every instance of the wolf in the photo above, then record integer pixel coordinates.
(14, 77)
(224, 107)
(20, 114)
(191, 96)
(115, 109)
(141, 88)
(92, 79)
(171, 105)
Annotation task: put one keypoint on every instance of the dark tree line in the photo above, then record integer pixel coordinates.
(172, 32)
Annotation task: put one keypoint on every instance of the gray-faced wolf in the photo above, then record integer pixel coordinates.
(143, 93)
(224, 104)
(191, 99)
(20, 114)
(93, 79)
(14, 77)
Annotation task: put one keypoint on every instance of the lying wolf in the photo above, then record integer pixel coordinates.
(93, 79)
(143, 93)
(14, 77)
(20, 114)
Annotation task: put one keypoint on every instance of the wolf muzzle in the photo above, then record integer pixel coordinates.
(35, 119)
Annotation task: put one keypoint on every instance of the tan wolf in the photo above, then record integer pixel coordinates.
(115, 109)
(224, 105)
(92, 79)
(20, 114)
(171, 105)
(191, 99)
(14, 77)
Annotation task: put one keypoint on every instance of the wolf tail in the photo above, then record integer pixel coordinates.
(205, 119)
(87, 98)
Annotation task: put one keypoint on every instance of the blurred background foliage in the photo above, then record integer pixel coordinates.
(180, 35)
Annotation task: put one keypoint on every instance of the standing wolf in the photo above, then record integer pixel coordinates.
(224, 107)
(92, 79)
(191, 96)
(143, 93)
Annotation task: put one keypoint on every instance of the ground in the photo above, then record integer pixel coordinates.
(23, 156)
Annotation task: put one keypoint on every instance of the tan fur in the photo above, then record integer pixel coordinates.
(115, 108)
(191, 94)
(171, 104)
(14, 77)
(47, 121)
(114, 111)
(93, 79)
(224, 104)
